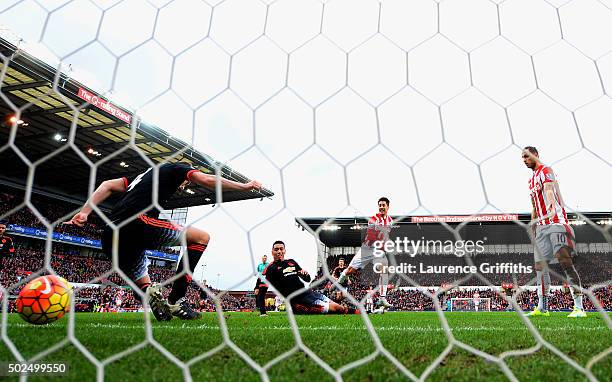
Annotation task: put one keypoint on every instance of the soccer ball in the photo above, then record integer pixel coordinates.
(44, 300)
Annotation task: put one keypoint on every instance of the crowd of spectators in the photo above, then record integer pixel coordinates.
(229, 302)
(593, 268)
(414, 300)
(117, 299)
(404, 299)
(68, 263)
(78, 266)
(51, 211)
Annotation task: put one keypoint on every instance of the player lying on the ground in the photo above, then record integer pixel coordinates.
(555, 240)
(146, 231)
(379, 227)
(287, 275)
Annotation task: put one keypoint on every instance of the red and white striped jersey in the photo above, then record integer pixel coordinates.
(378, 229)
(541, 176)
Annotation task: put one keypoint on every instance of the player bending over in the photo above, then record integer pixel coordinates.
(287, 277)
(379, 227)
(146, 231)
(553, 234)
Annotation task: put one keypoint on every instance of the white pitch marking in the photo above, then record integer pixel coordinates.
(425, 329)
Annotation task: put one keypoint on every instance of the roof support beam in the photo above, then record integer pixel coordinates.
(27, 85)
(50, 111)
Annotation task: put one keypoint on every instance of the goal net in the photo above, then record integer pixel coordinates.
(331, 105)
(470, 304)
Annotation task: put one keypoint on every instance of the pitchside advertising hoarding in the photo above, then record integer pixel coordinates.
(71, 239)
(55, 236)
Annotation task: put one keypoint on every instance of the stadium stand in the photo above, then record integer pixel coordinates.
(50, 209)
(68, 262)
(102, 296)
(414, 300)
(594, 268)
(82, 266)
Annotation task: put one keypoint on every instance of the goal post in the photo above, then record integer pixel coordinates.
(470, 304)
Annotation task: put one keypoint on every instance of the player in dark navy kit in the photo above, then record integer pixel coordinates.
(339, 269)
(141, 229)
(336, 273)
(287, 277)
(6, 244)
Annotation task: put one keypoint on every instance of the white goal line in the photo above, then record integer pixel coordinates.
(418, 329)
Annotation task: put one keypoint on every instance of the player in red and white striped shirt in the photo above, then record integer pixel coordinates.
(555, 240)
(379, 227)
(546, 197)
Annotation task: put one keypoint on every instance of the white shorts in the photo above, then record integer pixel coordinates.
(365, 256)
(310, 302)
(550, 239)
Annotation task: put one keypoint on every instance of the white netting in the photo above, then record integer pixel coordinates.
(332, 87)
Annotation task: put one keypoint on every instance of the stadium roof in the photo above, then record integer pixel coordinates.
(347, 232)
(102, 129)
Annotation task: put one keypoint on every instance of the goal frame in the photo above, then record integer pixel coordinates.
(486, 300)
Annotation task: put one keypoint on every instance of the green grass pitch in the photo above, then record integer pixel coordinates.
(414, 339)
